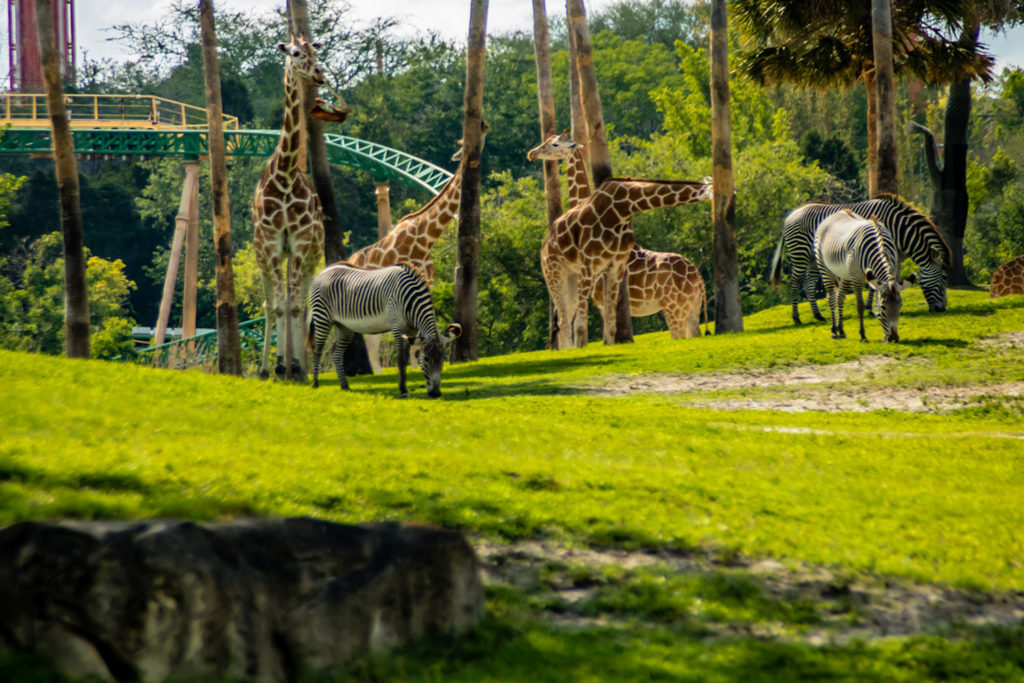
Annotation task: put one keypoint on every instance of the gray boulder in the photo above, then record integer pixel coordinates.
(257, 599)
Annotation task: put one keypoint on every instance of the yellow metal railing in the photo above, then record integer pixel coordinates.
(106, 111)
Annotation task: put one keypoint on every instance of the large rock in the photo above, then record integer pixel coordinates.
(253, 599)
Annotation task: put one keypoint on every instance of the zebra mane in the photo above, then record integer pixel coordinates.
(922, 221)
(877, 232)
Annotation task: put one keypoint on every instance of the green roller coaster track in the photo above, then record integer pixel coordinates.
(383, 163)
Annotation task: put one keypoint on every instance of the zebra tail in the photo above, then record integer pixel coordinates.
(776, 267)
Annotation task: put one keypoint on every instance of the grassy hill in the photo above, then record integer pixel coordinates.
(640, 513)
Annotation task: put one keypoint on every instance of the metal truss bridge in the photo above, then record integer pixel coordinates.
(148, 126)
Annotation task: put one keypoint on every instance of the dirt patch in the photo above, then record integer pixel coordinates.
(883, 607)
(838, 388)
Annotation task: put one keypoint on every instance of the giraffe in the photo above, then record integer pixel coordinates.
(412, 238)
(288, 235)
(1008, 278)
(656, 281)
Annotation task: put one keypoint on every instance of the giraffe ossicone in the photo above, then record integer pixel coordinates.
(288, 231)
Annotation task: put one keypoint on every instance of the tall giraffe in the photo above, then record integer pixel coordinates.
(412, 238)
(656, 281)
(288, 236)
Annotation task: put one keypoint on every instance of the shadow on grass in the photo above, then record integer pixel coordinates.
(933, 341)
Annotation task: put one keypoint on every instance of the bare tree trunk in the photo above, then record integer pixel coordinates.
(887, 180)
(579, 122)
(600, 157)
(951, 213)
(229, 352)
(76, 291)
(872, 98)
(728, 311)
(468, 249)
(357, 361)
(548, 125)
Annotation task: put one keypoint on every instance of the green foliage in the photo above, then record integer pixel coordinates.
(9, 185)
(33, 313)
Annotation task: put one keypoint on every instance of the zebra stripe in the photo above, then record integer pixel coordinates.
(371, 301)
(915, 235)
(851, 252)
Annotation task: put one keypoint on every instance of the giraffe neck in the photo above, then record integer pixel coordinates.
(290, 154)
(430, 220)
(643, 195)
(579, 181)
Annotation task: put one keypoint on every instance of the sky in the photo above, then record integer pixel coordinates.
(449, 17)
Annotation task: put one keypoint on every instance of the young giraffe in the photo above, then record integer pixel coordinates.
(1007, 279)
(412, 238)
(657, 281)
(288, 236)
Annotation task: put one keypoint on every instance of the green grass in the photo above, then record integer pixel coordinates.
(518, 449)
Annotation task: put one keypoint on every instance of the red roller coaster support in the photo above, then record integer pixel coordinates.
(26, 66)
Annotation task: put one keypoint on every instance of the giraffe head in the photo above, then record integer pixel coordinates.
(483, 135)
(556, 147)
(301, 60)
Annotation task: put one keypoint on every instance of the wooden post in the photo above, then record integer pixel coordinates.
(180, 227)
(188, 306)
(383, 192)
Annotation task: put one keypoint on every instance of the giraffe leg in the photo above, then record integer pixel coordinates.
(269, 321)
(578, 298)
(556, 279)
(612, 281)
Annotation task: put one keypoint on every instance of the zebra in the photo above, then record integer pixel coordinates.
(915, 235)
(371, 301)
(852, 251)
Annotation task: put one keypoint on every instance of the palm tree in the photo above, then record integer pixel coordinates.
(76, 293)
(728, 312)
(828, 42)
(597, 143)
(229, 352)
(548, 124)
(468, 249)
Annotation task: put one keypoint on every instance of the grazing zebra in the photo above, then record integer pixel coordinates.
(852, 251)
(914, 233)
(393, 299)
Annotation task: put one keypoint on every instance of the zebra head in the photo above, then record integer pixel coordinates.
(431, 357)
(888, 303)
(933, 286)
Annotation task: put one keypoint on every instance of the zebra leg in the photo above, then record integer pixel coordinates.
(338, 354)
(402, 359)
(859, 293)
(837, 320)
(801, 262)
(317, 339)
(810, 290)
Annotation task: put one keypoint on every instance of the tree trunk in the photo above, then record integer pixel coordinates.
(725, 250)
(887, 179)
(357, 361)
(229, 352)
(468, 249)
(548, 125)
(600, 156)
(76, 291)
(951, 214)
(872, 97)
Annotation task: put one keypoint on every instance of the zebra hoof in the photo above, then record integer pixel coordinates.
(819, 317)
(404, 394)
(839, 335)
